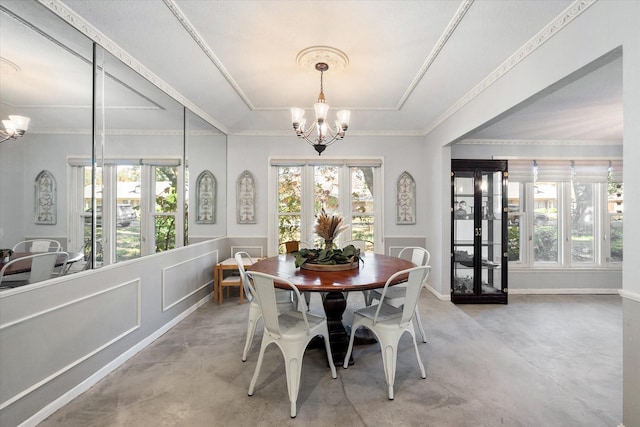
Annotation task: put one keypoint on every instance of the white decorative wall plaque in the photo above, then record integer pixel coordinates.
(206, 188)
(246, 198)
(406, 199)
(45, 199)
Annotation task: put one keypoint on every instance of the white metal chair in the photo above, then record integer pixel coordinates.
(290, 331)
(388, 323)
(362, 245)
(396, 294)
(42, 267)
(284, 301)
(293, 246)
(359, 243)
(38, 245)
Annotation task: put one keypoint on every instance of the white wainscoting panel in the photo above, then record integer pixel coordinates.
(181, 280)
(32, 356)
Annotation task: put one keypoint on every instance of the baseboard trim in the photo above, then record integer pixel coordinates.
(438, 295)
(564, 291)
(52, 407)
(633, 296)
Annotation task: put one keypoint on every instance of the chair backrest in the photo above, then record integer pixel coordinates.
(294, 245)
(266, 296)
(358, 243)
(417, 275)
(38, 245)
(419, 256)
(240, 260)
(42, 265)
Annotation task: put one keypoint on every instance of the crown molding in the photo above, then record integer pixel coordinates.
(551, 29)
(370, 133)
(84, 27)
(580, 142)
(190, 29)
(125, 132)
(453, 24)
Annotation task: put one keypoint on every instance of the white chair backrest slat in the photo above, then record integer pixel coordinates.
(240, 257)
(266, 296)
(417, 275)
(419, 256)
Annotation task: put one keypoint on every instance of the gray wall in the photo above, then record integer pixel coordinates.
(60, 337)
(603, 27)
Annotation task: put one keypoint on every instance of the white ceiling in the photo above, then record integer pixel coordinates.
(409, 62)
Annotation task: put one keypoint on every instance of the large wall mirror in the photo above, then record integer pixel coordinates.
(124, 157)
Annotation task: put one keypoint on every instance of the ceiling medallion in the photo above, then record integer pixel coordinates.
(336, 59)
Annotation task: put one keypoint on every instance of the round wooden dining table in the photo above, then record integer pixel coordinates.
(373, 272)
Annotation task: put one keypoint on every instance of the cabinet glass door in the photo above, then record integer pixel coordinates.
(464, 233)
(491, 224)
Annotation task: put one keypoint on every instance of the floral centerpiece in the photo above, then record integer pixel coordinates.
(328, 228)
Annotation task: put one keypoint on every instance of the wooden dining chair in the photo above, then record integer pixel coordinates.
(293, 246)
(232, 280)
(291, 331)
(388, 323)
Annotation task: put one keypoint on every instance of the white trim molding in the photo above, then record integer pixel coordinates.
(554, 27)
(564, 291)
(633, 296)
(76, 21)
(52, 407)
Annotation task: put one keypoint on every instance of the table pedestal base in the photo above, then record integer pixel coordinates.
(334, 305)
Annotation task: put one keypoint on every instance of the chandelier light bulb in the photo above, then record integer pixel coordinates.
(15, 127)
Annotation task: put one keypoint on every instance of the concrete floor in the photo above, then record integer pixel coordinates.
(539, 361)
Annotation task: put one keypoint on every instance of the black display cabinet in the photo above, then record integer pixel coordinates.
(479, 231)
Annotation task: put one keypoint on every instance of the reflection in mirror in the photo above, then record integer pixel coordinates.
(127, 185)
(206, 150)
(139, 177)
(46, 75)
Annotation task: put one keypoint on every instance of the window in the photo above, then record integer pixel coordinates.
(138, 208)
(565, 214)
(345, 187)
(545, 222)
(615, 198)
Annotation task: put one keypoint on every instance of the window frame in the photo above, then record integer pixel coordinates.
(601, 234)
(147, 213)
(307, 203)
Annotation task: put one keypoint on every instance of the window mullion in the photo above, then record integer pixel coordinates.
(528, 224)
(307, 217)
(564, 224)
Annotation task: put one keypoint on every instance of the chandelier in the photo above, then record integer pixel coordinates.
(324, 134)
(15, 127)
